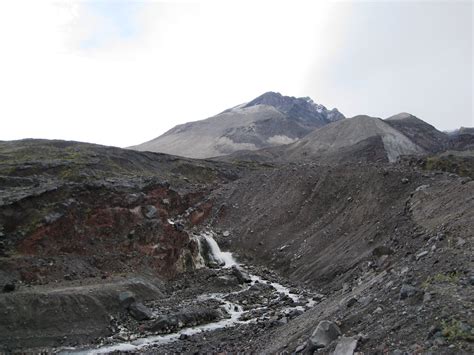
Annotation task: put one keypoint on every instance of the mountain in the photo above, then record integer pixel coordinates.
(269, 120)
(358, 138)
(419, 132)
(340, 135)
(462, 139)
(462, 130)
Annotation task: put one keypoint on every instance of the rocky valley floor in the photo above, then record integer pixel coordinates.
(104, 250)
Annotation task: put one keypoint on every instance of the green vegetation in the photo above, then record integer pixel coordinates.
(80, 162)
(450, 277)
(456, 330)
(458, 164)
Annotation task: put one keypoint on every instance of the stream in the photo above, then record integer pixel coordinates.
(235, 311)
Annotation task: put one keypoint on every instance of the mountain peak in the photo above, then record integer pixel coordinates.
(296, 107)
(282, 102)
(270, 119)
(270, 98)
(401, 116)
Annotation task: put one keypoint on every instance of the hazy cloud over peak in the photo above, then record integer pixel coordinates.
(121, 72)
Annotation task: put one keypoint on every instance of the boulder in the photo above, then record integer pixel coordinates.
(242, 277)
(126, 298)
(185, 318)
(325, 333)
(407, 291)
(351, 302)
(139, 311)
(163, 324)
(225, 281)
(150, 211)
(2, 248)
(345, 346)
(178, 226)
(9, 287)
(52, 217)
(261, 287)
(422, 187)
(381, 250)
(421, 255)
(300, 348)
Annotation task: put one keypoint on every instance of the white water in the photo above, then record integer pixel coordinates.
(199, 261)
(278, 287)
(167, 338)
(223, 258)
(234, 310)
(227, 260)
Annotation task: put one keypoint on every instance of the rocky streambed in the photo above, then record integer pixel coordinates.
(206, 309)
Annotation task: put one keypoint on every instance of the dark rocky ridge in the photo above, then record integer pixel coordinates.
(420, 132)
(302, 108)
(462, 139)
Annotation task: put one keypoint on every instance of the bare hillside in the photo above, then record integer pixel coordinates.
(269, 120)
(420, 132)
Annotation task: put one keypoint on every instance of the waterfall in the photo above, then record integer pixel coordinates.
(199, 260)
(221, 258)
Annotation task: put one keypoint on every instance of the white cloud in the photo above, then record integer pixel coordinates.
(101, 25)
(76, 77)
(79, 70)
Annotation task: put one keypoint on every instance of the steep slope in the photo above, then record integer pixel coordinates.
(362, 234)
(269, 120)
(420, 132)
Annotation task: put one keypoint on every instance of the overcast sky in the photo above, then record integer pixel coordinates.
(121, 72)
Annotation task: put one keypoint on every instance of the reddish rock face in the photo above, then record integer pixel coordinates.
(71, 210)
(108, 231)
(201, 213)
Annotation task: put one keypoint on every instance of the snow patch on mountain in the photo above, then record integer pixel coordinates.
(280, 140)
